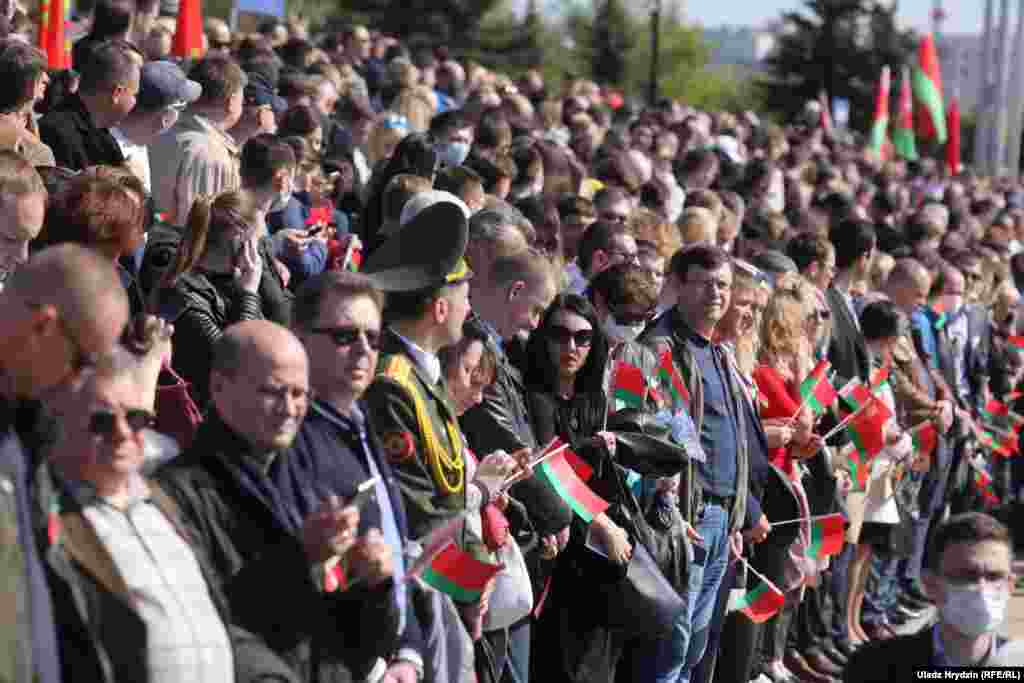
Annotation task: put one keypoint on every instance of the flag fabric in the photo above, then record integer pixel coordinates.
(671, 378)
(557, 473)
(983, 481)
(188, 36)
(762, 603)
(827, 536)
(858, 467)
(458, 574)
(903, 130)
(54, 42)
(880, 125)
(865, 428)
(925, 438)
(629, 386)
(1015, 342)
(579, 466)
(940, 313)
(953, 143)
(826, 112)
(816, 390)
(879, 379)
(928, 101)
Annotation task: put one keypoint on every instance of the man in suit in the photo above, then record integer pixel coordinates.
(854, 244)
(969, 576)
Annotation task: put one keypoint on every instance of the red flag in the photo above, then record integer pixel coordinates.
(880, 125)
(53, 18)
(927, 86)
(953, 143)
(762, 603)
(629, 386)
(188, 37)
(826, 112)
(925, 438)
(827, 536)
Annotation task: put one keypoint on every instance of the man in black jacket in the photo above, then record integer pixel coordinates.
(78, 129)
(243, 508)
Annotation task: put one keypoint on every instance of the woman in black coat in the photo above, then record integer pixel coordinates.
(565, 369)
(219, 278)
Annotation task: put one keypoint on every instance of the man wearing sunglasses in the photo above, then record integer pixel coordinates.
(61, 309)
(337, 317)
(273, 535)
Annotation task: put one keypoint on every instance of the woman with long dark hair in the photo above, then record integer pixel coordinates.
(582, 631)
(415, 155)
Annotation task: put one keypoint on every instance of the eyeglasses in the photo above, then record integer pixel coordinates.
(104, 422)
(347, 336)
(562, 335)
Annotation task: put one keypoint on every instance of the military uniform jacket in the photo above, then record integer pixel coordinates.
(420, 435)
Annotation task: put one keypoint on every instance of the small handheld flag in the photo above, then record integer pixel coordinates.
(629, 386)
(458, 574)
(816, 391)
(826, 536)
(668, 374)
(557, 473)
(762, 602)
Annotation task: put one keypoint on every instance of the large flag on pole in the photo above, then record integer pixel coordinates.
(880, 126)
(903, 130)
(55, 44)
(188, 37)
(928, 101)
(953, 144)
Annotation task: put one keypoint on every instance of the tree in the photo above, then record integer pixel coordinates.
(840, 47)
(453, 23)
(613, 35)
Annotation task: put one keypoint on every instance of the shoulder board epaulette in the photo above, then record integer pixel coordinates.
(398, 367)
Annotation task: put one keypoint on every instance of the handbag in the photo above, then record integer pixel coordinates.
(177, 414)
(512, 598)
(639, 599)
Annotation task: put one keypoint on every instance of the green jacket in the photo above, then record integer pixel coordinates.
(420, 435)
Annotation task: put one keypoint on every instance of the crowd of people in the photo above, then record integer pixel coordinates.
(283, 321)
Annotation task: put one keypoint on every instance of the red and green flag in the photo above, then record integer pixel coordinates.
(458, 574)
(879, 379)
(925, 438)
(557, 473)
(983, 481)
(903, 130)
(816, 391)
(1016, 342)
(827, 536)
(953, 144)
(939, 308)
(859, 468)
(629, 386)
(54, 15)
(865, 427)
(671, 378)
(762, 603)
(880, 124)
(928, 100)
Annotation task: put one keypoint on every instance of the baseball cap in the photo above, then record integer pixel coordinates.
(164, 84)
(258, 93)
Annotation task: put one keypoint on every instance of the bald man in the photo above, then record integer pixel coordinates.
(270, 530)
(63, 308)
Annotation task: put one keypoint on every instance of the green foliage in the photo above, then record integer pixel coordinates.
(839, 46)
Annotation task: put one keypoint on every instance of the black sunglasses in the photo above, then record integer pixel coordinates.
(561, 336)
(347, 336)
(104, 422)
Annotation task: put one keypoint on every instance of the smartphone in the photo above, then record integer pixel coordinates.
(364, 492)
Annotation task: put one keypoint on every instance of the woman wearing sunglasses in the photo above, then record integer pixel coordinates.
(566, 359)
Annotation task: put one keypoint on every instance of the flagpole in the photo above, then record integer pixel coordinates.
(1002, 60)
(984, 107)
(802, 519)
(746, 563)
(835, 430)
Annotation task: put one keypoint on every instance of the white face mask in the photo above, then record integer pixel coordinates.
(621, 333)
(974, 610)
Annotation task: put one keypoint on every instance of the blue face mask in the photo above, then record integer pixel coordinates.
(452, 153)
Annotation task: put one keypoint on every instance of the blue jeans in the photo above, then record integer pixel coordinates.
(517, 666)
(882, 591)
(678, 654)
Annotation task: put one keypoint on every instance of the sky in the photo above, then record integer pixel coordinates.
(964, 16)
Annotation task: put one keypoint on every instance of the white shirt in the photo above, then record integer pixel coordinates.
(428, 362)
(136, 158)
